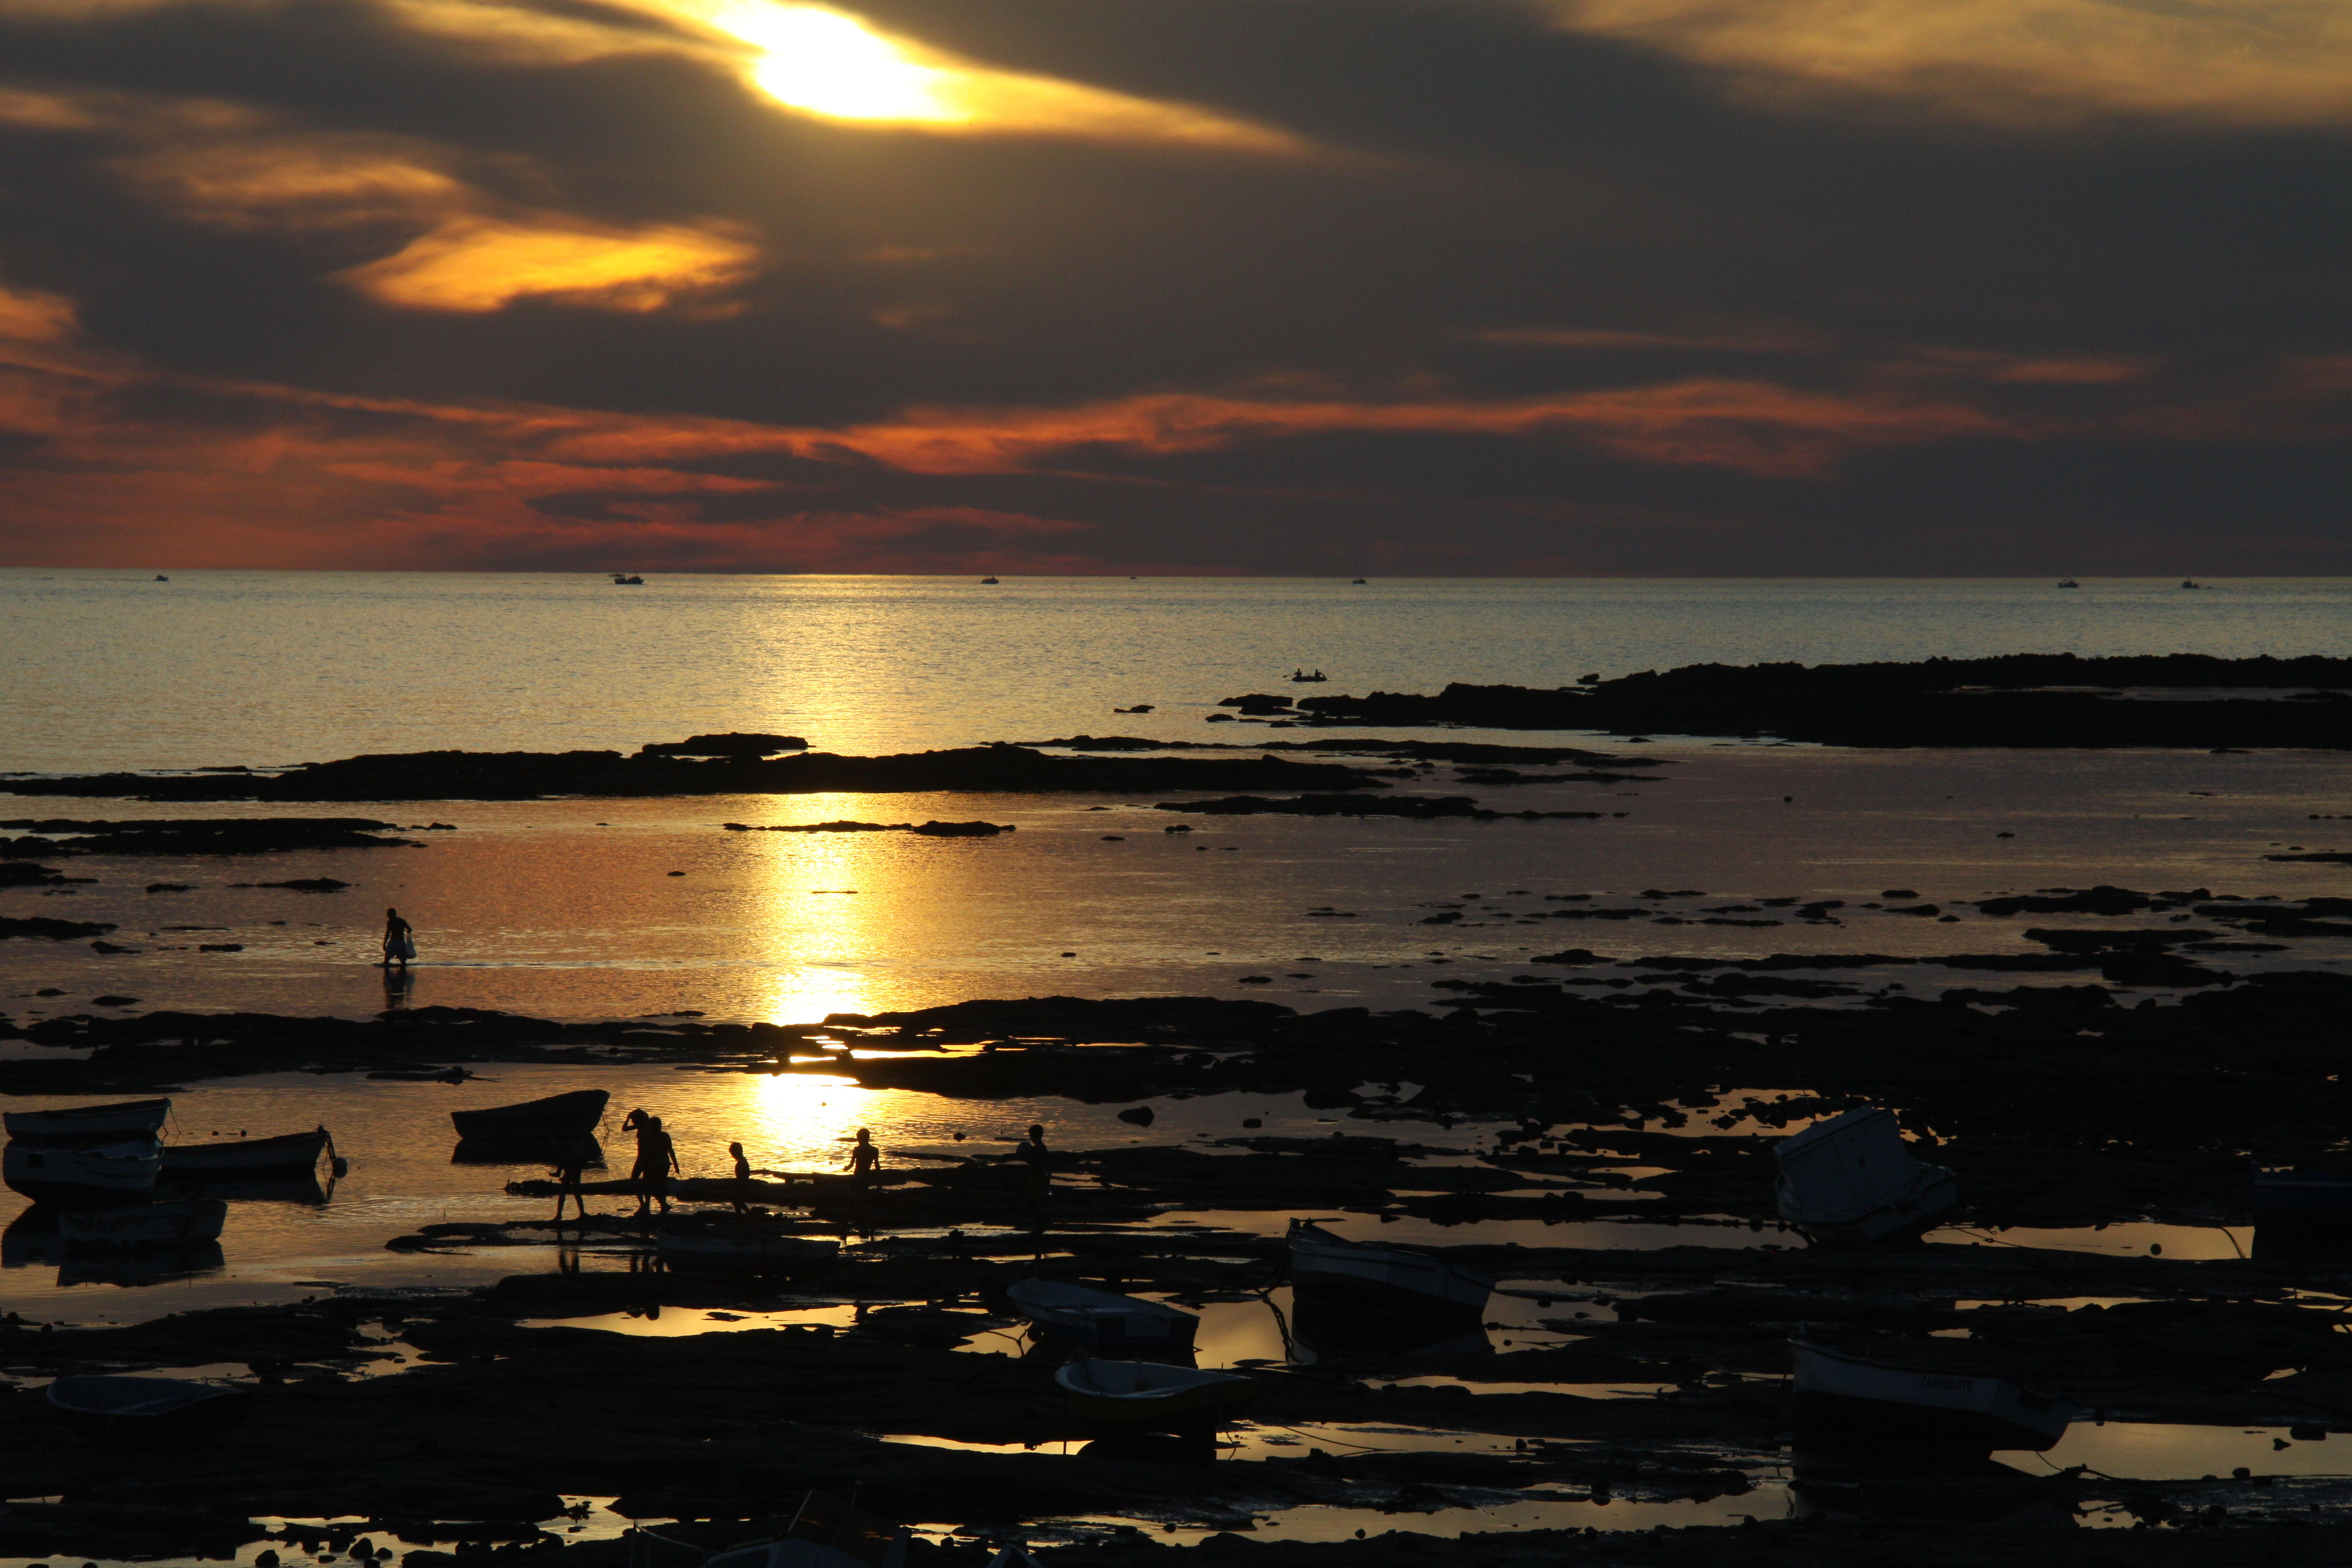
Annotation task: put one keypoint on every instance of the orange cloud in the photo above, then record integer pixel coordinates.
(477, 263)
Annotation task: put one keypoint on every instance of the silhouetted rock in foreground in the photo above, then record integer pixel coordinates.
(195, 835)
(528, 775)
(2017, 700)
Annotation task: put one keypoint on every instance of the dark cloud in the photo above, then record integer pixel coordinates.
(1514, 298)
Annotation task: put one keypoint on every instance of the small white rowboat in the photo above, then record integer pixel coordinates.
(1850, 1398)
(82, 1177)
(1103, 1320)
(1852, 1178)
(1322, 1262)
(1145, 1391)
(178, 1223)
(89, 1123)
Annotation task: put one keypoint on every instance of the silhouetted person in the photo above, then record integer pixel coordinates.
(743, 1178)
(656, 1158)
(1034, 1154)
(399, 940)
(864, 1159)
(570, 1159)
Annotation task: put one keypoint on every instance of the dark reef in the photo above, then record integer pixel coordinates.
(2017, 700)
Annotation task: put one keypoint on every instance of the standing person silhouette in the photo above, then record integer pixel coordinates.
(656, 1158)
(1037, 1157)
(572, 1154)
(864, 1159)
(399, 940)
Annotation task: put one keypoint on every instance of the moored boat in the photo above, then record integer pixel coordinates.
(89, 1123)
(177, 1222)
(147, 1410)
(825, 1533)
(573, 1114)
(1106, 1320)
(79, 1178)
(1399, 1278)
(748, 1251)
(1850, 1399)
(1145, 1391)
(1852, 1178)
(292, 1153)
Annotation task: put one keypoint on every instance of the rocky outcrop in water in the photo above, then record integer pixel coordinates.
(194, 836)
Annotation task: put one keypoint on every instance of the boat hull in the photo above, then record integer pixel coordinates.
(291, 1155)
(1105, 1321)
(82, 1178)
(1845, 1401)
(561, 1115)
(1336, 1270)
(146, 1412)
(89, 1123)
(1159, 1395)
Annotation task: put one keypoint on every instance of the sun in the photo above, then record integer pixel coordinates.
(827, 63)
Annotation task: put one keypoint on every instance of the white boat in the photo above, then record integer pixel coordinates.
(147, 1411)
(1852, 1398)
(825, 1533)
(1320, 1261)
(1852, 1178)
(1147, 1391)
(89, 1123)
(1103, 1320)
(181, 1222)
(83, 1177)
(749, 1250)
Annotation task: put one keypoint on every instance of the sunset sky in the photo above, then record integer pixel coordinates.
(1389, 287)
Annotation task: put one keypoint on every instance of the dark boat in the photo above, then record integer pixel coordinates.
(1845, 1400)
(291, 1154)
(985, 581)
(627, 580)
(563, 1115)
(147, 1410)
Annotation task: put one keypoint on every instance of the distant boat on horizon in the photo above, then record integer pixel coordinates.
(987, 580)
(627, 580)
(2068, 583)
(2191, 582)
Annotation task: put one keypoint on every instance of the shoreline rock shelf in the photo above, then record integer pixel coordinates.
(2053, 700)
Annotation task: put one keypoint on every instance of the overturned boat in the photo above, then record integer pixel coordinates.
(294, 1154)
(1146, 1390)
(178, 1222)
(1395, 1277)
(1101, 1318)
(147, 1411)
(573, 1115)
(89, 1123)
(1845, 1400)
(82, 1177)
(1852, 1178)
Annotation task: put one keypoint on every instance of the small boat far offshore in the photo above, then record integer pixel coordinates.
(1393, 1276)
(2069, 582)
(565, 1115)
(627, 580)
(87, 1123)
(1102, 1319)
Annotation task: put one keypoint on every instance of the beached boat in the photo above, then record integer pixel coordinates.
(1105, 1321)
(574, 1114)
(1397, 1277)
(177, 1222)
(290, 1154)
(1852, 1399)
(1146, 1390)
(826, 1534)
(1852, 1178)
(147, 1410)
(748, 1251)
(89, 1123)
(78, 1178)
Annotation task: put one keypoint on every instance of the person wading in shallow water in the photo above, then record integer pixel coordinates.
(572, 1156)
(656, 1159)
(865, 1160)
(1034, 1154)
(399, 940)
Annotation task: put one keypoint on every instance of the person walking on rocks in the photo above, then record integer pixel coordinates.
(399, 940)
(656, 1160)
(572, 1155)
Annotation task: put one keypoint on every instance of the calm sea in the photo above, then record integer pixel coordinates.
(111, 668)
